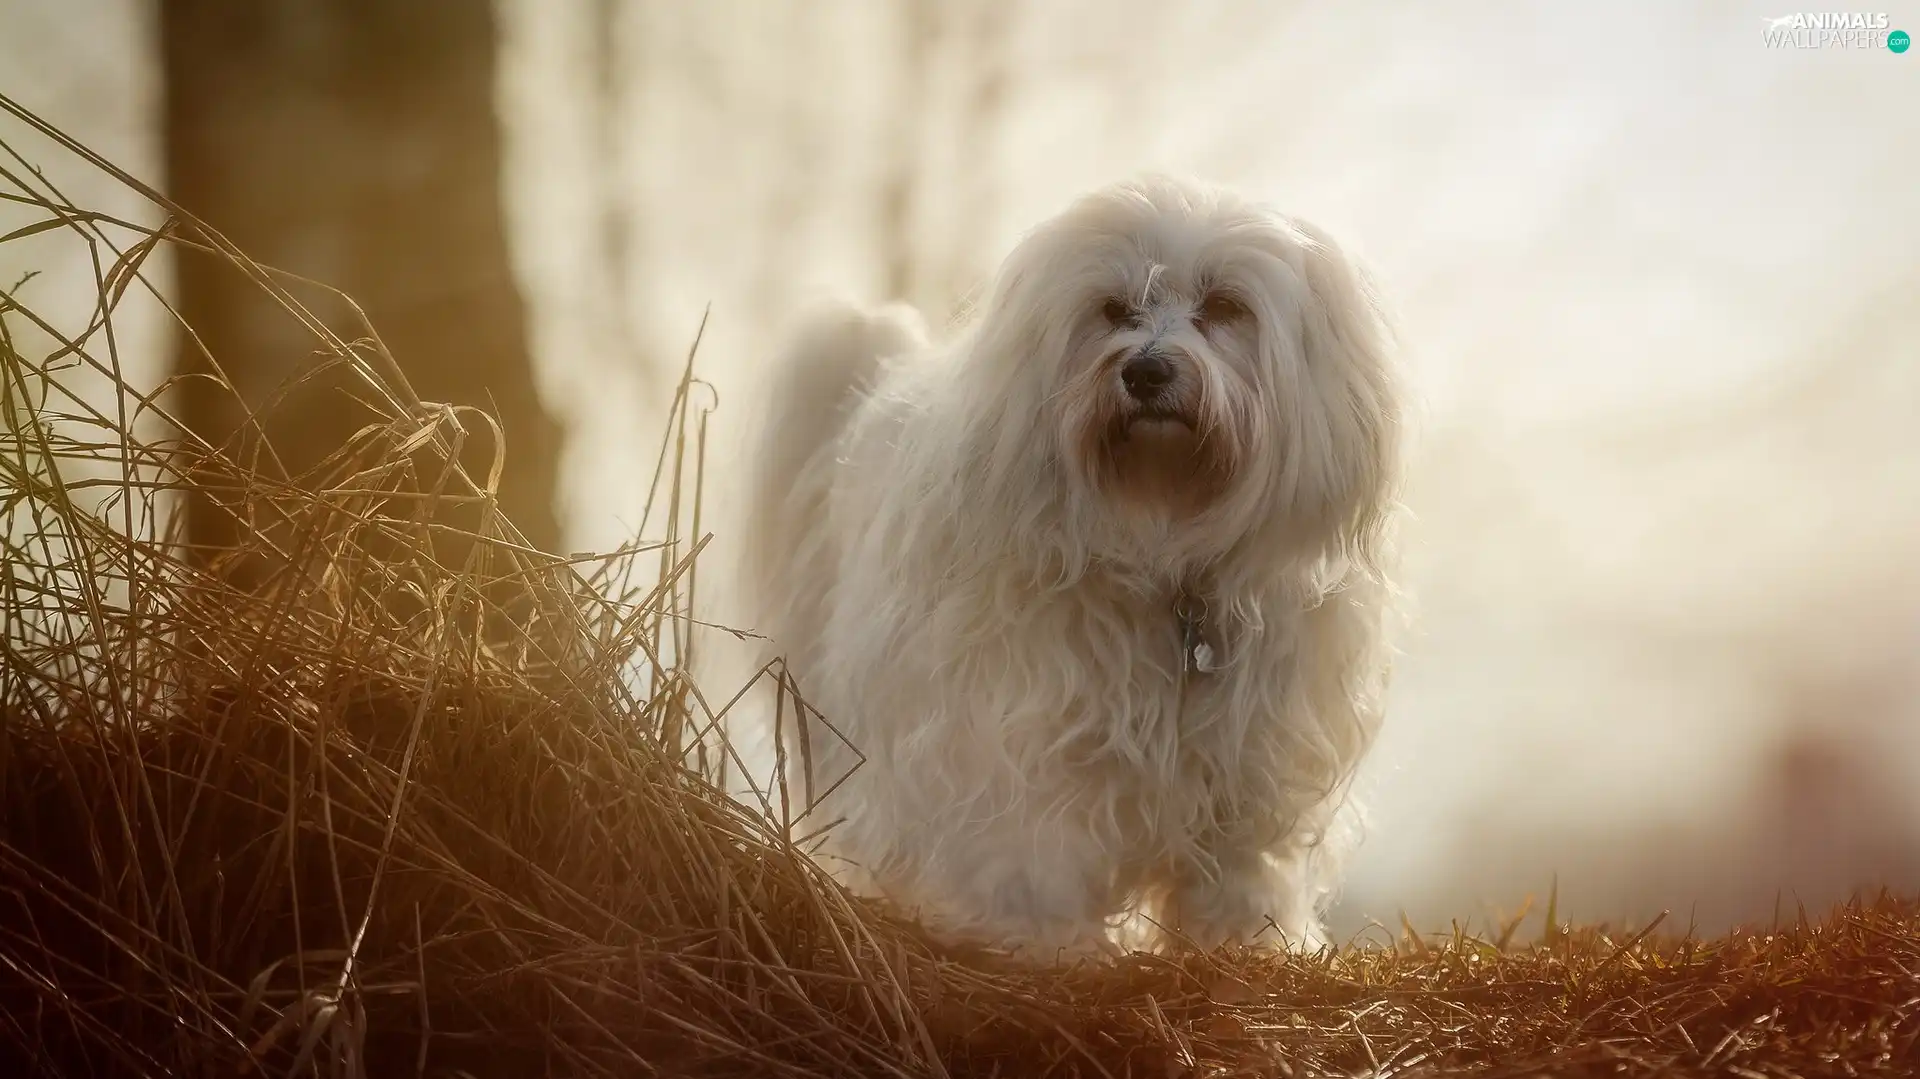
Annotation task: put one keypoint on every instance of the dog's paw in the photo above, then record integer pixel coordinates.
(1025, 946)
(1066, 949)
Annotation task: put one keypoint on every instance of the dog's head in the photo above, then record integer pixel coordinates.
(1200, 362)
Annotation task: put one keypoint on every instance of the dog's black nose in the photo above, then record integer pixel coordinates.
(1146, 374)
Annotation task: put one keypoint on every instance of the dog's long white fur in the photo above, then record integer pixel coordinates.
(962, 592)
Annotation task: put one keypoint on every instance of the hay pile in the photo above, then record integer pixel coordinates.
(400, 811)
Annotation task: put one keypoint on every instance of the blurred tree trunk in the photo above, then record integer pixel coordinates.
(614, 195)
(966, 47)
(900, 192)
(354, 142)
(983, 111)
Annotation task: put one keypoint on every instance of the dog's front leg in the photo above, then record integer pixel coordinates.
(1043, 889)
(1241, 891)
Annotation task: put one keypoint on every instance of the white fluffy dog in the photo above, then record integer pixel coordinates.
(1096, 589)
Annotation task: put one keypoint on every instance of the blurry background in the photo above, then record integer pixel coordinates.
(1660, 285)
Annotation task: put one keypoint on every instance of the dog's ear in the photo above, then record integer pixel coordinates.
(1354, 443)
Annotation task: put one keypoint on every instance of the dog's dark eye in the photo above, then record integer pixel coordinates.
(1218, 309)
(1116, 311)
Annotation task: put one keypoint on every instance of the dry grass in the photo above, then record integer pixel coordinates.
(401, 811)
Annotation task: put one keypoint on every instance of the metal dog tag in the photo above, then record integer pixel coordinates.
(1195, 650)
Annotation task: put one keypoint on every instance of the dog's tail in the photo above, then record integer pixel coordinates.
(812, 389)
(812, 392)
